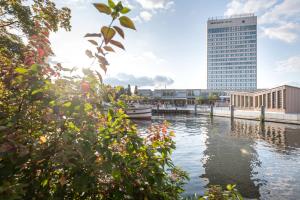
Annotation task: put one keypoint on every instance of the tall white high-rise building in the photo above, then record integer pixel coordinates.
(232, 53)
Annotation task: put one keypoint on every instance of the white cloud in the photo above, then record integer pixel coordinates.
(248, 6)
(292, 64)
(155, 4)
(124, 79)
(278, 19)
(287, 10)
(285, 32)
(145, 15)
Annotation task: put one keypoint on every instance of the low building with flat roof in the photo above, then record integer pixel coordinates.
(284, 99)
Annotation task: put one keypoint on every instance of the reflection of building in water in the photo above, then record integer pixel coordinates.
(273, 133)
(230, 160)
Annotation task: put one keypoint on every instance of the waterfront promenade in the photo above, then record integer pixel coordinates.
(279, 117)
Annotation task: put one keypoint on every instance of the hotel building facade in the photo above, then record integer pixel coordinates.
(232, 53)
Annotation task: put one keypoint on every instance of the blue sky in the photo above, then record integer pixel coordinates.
(169, 46)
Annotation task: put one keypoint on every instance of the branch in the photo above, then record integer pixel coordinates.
(8, 24)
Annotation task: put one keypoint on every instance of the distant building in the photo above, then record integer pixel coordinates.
(178, 97)
(232, 53)
(284, 99)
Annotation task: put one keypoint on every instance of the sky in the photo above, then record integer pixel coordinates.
(168, 50)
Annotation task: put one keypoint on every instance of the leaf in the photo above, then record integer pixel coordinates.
(103, 67)
(118, 44)
(102, 59)
(44, 182)
(93, 35)
(93, 42)
(101, 7)
(37, 91)
(125, 10)
(67, 104)
(89, 53)
(108, 33)
(87, 107)
(108, 48)
(111, 4)
(126, 22)
(100, 51)
(119, 31)
(99, 76)
(21, 70)
(42, 141)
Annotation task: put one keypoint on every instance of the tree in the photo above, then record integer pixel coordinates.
(136, 92)
(56, 141)
(129, 90)
(200, 100)
(213, 97)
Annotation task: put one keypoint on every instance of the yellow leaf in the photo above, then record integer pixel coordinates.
(102, 8)
(108, 33)
(43, 139)
(126, 22)
(119, 31)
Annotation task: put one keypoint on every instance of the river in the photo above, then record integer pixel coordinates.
(264, 161)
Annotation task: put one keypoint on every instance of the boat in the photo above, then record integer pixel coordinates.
(136, 111)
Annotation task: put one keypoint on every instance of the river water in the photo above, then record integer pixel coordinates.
(264, 161)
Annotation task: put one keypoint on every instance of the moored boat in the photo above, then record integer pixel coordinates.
(139, 112)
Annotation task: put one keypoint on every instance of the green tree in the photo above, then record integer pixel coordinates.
(56, 141)
(136, 92)
(129, 90)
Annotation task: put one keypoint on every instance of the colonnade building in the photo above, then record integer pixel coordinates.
(284, 99)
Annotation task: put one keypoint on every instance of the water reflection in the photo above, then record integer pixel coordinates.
(262, 159)
(282, 136)
(231, 159)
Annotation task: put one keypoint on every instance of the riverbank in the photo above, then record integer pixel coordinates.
(277, 117)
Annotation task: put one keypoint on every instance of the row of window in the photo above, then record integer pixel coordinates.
(232, 80)
(230, 55)
(231, 59)
(232, 51)
(216, 35)
(232, 38)
(232, 29)
(231, 42)
(231, 76)
(231, 47)
(232, 63)
(226, 85)
(238, 73)
(231, 67)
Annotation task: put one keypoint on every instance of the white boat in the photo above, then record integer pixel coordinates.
(139, 112)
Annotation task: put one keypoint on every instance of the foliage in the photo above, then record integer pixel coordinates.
(104, 41)
(216, 192)
(56, 142)
(136, 92)
(213, 97)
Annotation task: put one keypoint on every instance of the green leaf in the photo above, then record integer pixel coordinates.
(21, 70)
(87, 107)
(37, 91)
(118, 44)
(116, 174)
(44, 182)
(119, 31)
(125, 10)
(126, 22)
(34, 67)
(101, 7)
(108, 33)
(111, 4)
(52, 103)
(67, 104)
